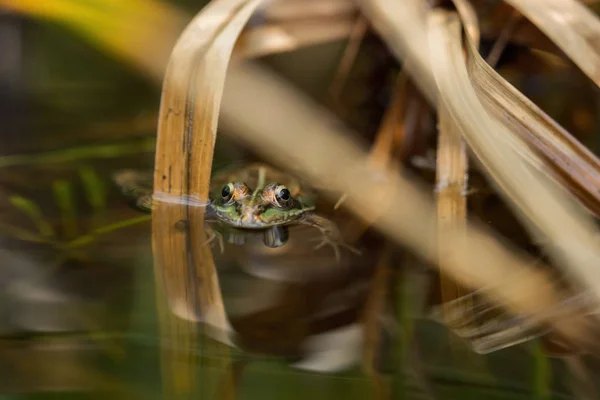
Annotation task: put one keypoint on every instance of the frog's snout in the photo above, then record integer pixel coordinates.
(249, 215)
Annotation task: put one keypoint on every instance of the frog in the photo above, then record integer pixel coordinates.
(253, 198)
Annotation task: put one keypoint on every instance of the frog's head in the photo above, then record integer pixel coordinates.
(240, 206)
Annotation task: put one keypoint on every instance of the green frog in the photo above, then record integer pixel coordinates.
(253, 198)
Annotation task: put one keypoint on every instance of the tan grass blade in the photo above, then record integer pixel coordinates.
(281, 10)
(388, 35)
(391, 132)
(291, 35)
(525, 34)
(188, 114)
(374, 308)
(452, 186)
(466, 313)
(469, 19)
(569, 24)
(321, 150)
(572, 163)
(546, 209)
(451, 201)
(351, 51)
(402, 26)
(502, 40)
(389, 136)
(185, 274)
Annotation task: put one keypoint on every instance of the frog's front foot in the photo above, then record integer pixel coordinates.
(335, 245)
(330, 235)
(212, 235)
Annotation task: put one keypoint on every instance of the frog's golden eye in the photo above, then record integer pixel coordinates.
(283, 195)
(227, 192)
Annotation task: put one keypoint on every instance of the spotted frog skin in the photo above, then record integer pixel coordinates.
(267, 205)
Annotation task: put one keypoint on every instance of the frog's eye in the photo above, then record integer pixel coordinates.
(227, 192)
(282, 195)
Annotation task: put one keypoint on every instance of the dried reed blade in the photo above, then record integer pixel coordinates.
(290, 35)
(451, 189)
(582, 380)
(544, 207)
(452, 185)
(319, 149)
(190, 101)
(525, 34)
(469, 19)
(281, 10)
(389, 136)
(502, 40)
(572, 163)
(402, 26)
(374, 308)
(350, 52)
(569, 24)
(184, 267)
(391, 132)
(228, 387)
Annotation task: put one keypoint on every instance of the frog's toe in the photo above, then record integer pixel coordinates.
(336, 253)
(221, 244)
(352, 249)
(335, 245)
(320, 244)
(212, 235)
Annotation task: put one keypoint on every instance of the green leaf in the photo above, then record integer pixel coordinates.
(34, 212)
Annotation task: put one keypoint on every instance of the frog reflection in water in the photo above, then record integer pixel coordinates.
(269, 208)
